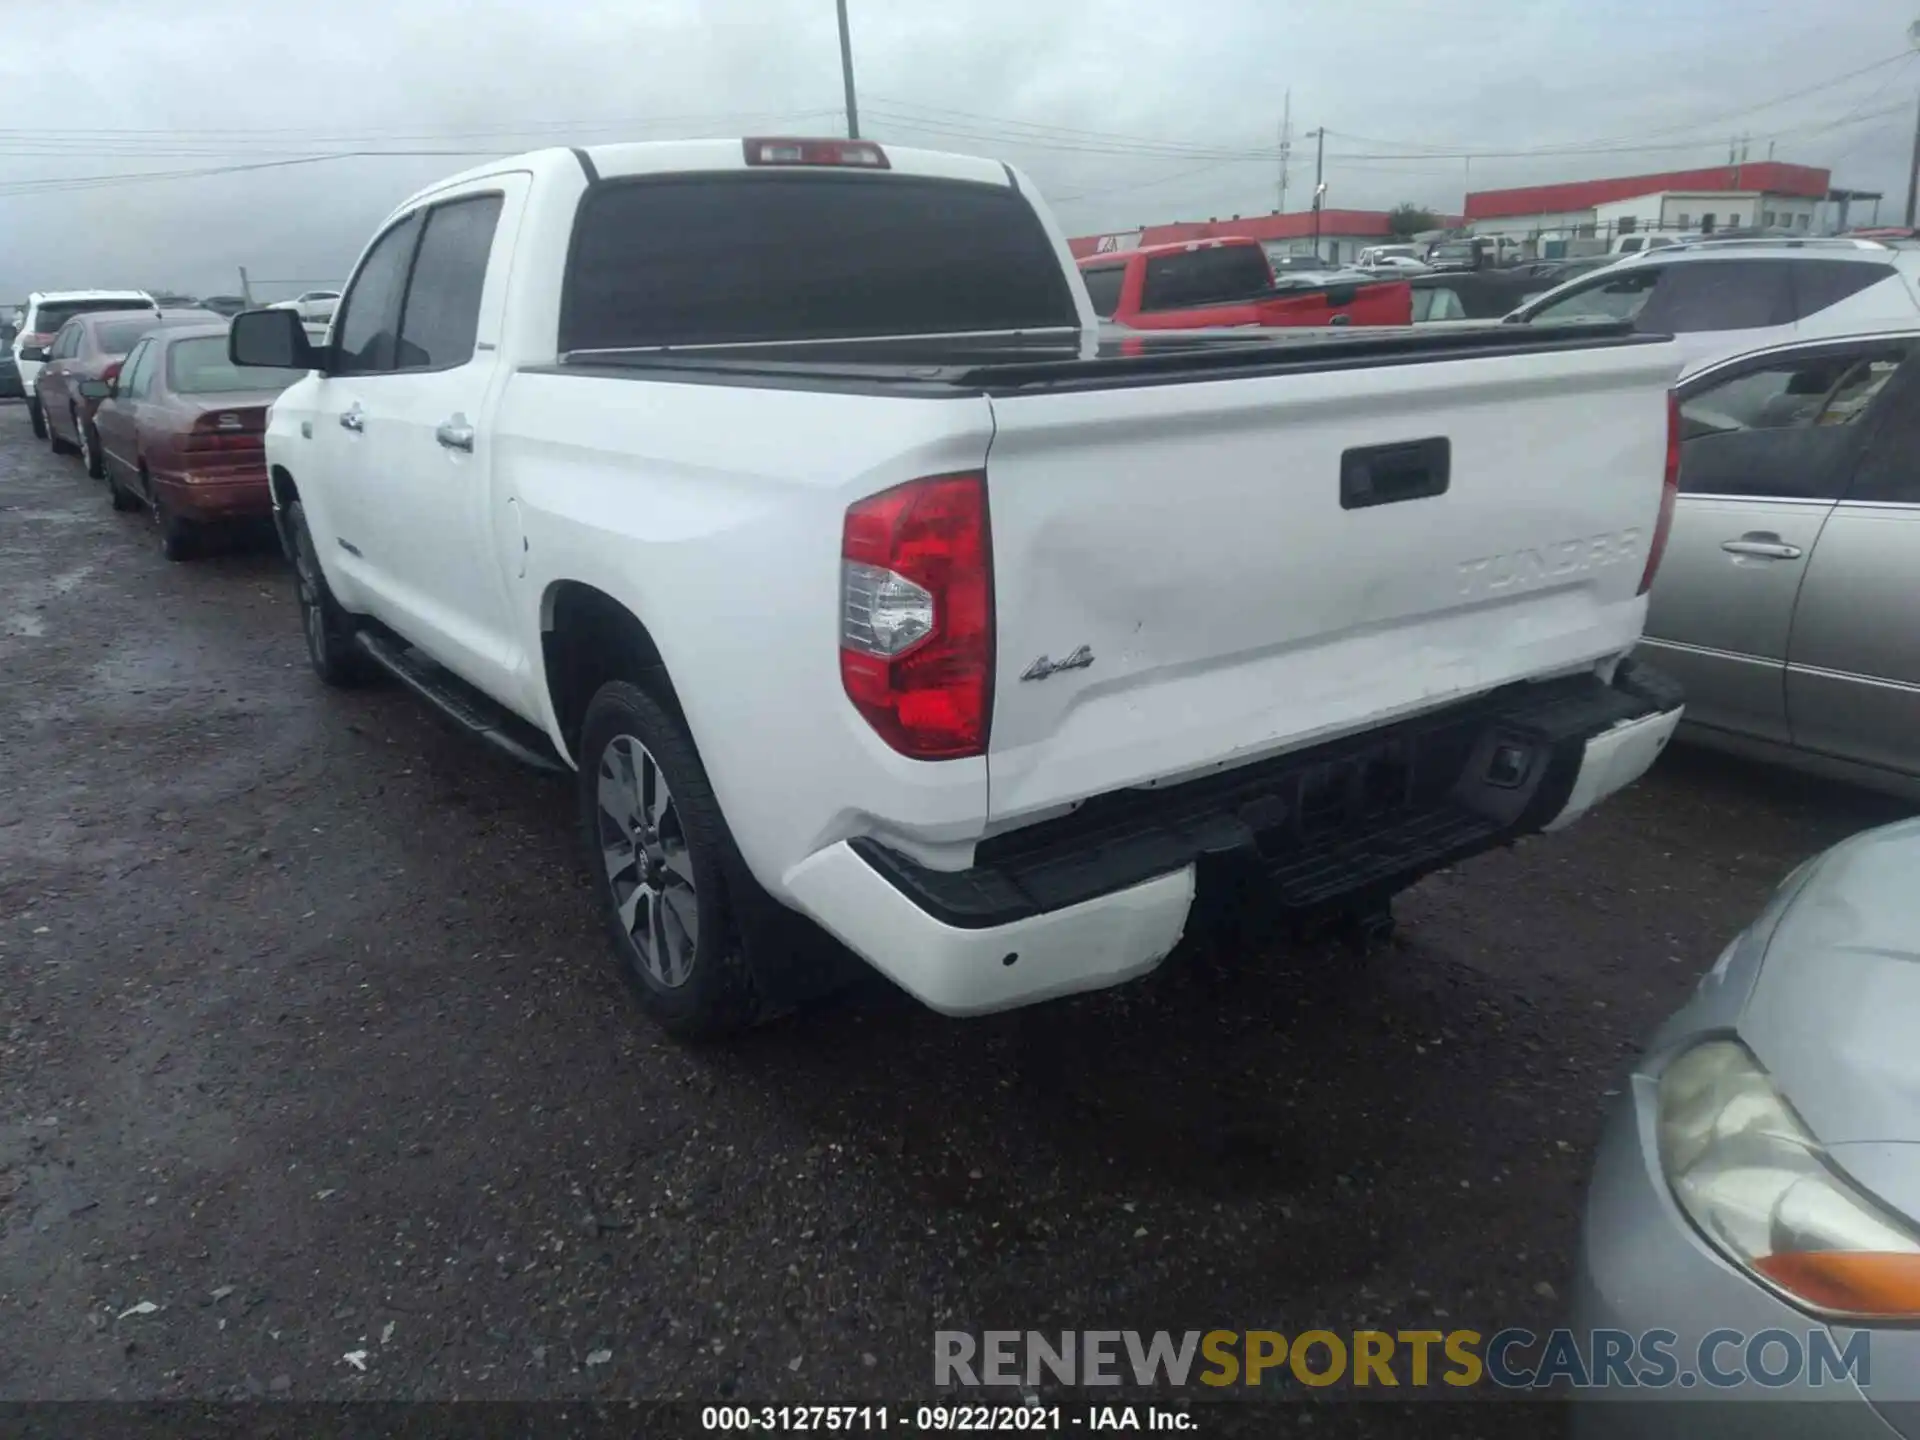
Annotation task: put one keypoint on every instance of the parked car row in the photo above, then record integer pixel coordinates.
(150, 403)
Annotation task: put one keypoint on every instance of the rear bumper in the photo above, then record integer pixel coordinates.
(1102, 895)
(211, 495)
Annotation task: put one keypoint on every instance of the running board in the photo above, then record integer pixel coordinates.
(461, 703)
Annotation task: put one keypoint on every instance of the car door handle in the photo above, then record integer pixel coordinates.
(354, 419)
(1761, 543)
(455, 434)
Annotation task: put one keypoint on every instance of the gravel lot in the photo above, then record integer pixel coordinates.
(307, 1038)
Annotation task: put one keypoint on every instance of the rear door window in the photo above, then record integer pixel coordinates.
(1818, 284)
(1103, 288)
(1206, 276)
(139, 370)
(773, 256)
(442, 313)
(1719, 295)
(1789, 428)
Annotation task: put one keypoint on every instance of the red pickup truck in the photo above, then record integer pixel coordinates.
(1199, 284)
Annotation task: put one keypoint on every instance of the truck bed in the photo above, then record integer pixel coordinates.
(1257, 543)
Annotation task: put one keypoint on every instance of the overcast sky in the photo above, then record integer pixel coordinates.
(1125, 111)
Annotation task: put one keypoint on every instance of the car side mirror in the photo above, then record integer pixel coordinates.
(97, 389)
(35, 353)
(272, 339)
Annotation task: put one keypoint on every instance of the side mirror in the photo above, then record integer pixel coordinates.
(96, 389)
(33, 352)
(273, 339)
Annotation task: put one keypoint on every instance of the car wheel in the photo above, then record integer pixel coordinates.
(37, 418)
(123, 498)
(90, 451)
(328, 628)
(656, 844)
(58, 445)
(176, 535)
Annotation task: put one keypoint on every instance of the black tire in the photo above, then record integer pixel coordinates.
(38, 419)
(90, 451)
(718, 993)
(331, 650)
(176, 536)
(122, 498)
(59, 446)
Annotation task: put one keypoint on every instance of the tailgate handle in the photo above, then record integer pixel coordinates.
(1388, 474)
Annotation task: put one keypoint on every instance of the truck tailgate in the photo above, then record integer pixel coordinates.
(1194, 575)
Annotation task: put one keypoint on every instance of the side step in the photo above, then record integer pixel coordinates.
(461, 703)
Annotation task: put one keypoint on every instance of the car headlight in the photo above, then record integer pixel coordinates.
(1754, 1180)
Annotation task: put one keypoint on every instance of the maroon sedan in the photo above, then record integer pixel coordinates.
(182, 433)
(81, 363)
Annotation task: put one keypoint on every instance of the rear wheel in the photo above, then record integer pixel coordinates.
(328, 628)
(176, 536)
(657, 843)
(123, 498)
(90, 450)
(58, 445)
(37, 417)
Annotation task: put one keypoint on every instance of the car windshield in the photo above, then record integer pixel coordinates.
(55, 313)
(1454, 252)
(116, 337)
(200, 367)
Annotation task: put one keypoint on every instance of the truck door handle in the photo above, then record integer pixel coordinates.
(455, 434)
(354, 419)
(1763, 544)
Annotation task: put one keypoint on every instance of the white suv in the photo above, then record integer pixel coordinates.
(41, 318)
(1725, 297)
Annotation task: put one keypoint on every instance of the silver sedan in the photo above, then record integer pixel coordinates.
(1755, 1202)
(1787, 605)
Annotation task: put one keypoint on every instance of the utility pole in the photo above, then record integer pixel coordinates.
(846, 74)
(1319, 184)
(246, 290)
(1286, 149)
(1913, 174)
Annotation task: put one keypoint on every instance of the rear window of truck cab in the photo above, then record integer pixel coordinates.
(779, 256)
(1205, 277)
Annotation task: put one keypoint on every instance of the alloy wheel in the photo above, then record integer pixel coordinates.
(649, 867)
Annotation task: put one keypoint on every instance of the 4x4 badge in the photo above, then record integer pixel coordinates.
(1043, 667)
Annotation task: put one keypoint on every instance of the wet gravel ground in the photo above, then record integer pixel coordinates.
(308, 1042)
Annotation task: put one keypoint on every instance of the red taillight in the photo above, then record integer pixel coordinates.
(916, 615)
(780, 150)
(112, 372)
(1669, 492)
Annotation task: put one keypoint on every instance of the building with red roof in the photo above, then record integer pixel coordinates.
(1758, 193)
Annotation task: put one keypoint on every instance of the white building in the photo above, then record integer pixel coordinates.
(1764, 193)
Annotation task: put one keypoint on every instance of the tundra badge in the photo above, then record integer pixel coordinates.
(1043, 667)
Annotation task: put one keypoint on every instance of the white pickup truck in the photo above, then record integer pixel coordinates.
(787, 492)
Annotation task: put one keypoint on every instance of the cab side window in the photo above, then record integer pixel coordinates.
(65, 343)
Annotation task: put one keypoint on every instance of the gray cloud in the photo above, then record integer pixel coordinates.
(1128, 110)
